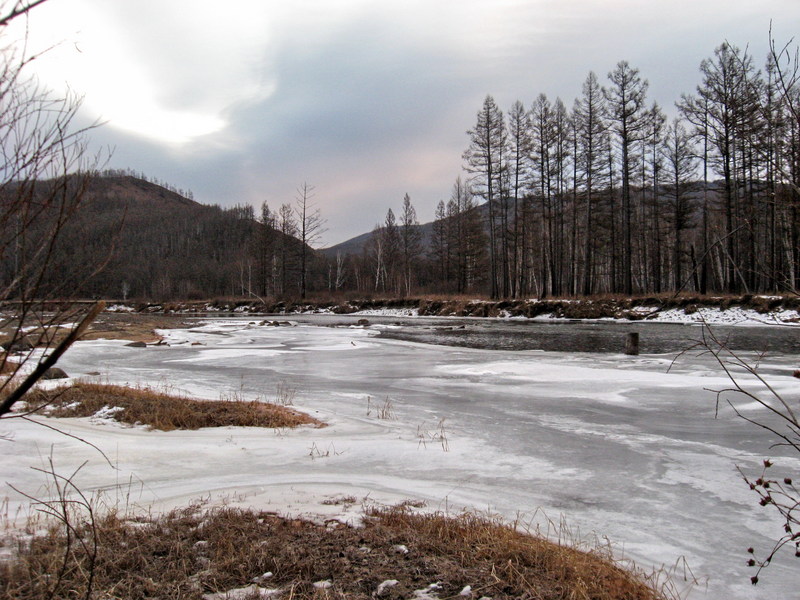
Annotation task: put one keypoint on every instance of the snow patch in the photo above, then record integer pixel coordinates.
(429, 593)
(314, 311)
(729, 316)
(388, 312)
(389, 583)
(106, 414)
(244, 593)
(119, 308)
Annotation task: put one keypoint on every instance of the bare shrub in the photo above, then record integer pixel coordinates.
(43, 178)
(383, 411)
(776, 492)
(285, 394)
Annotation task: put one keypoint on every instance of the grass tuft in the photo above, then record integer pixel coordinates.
(190, 553)
(159, 410)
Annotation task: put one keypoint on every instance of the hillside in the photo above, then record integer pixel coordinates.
(131, 238)
(356, 245)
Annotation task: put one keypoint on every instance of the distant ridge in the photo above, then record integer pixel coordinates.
(356, 245)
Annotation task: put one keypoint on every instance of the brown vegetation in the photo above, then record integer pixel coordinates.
(7, 367)
(136, 327)
(133, 327)
(159, 410)
(188, 553)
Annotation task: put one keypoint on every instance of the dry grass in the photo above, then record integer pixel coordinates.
(132, 326)
(188, 553)
(7, 366)
(159, 410)
(111, 326)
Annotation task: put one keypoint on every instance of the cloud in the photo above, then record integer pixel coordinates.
(243, 101)
(167, 71)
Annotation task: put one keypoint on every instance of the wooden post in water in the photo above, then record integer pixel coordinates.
(632, 343)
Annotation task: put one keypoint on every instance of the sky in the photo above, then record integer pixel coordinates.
(244, 101)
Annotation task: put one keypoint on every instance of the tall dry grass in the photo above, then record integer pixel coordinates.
(189, 553)
(163, 411)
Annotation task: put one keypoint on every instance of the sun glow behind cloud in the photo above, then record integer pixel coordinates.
(171, 80)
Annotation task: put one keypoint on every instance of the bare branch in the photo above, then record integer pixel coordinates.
(51, 360)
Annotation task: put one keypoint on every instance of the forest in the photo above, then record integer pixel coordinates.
(605, 197)
(609, 196)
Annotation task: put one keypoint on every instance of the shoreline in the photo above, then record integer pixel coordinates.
(751, 310)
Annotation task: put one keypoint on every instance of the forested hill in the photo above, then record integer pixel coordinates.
(134, 238)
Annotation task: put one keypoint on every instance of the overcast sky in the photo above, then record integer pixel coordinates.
(242, 101)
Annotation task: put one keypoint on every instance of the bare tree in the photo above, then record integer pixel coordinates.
(410, 238)
(341, 272)
(440, 251)
(590, 131)
(681, 167)
(520, 147)
(264, 250)
(375, 251)
(625, 99)
(390, 244)
(288, 228)
(43, 177)
(484, 159)
(310, 227)
(721, 100)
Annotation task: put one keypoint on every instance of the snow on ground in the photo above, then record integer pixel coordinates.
(388, 312)
(704, 315)
(730, 316)
(119, 308)
(615, 444)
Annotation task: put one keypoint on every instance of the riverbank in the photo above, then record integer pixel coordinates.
(711, 309)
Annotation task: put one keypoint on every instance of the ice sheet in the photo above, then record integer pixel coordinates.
(616, 444)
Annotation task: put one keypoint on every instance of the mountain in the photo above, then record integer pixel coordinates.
(357, 244)
(352, 246)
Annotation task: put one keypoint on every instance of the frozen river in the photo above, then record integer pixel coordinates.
(616, 445)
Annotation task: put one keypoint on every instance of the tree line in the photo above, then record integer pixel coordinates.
(611, 197)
